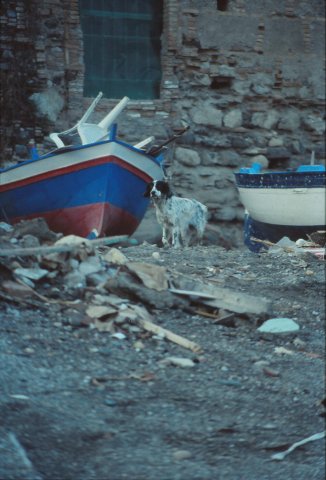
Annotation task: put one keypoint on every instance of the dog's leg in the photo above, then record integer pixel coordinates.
(176, 238)
(185, 237)
(165, 236)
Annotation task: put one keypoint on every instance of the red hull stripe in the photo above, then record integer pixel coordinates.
(102, 218)
(76, 167)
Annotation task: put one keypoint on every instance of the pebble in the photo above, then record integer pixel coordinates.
(270, 372)
(29, 350)
(261, 363)
(178, 362)
(115, 256)
(181, 455)
(231, 383)
(279, 325)
(110, 402)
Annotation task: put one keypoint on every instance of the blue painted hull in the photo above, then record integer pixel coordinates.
(85, 191)
(253, 229)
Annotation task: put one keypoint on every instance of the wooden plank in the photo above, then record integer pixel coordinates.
(228, 300)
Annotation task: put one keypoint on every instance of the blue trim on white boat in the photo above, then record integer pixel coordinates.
(306, 176)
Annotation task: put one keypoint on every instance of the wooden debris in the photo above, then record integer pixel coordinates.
(227, 299)
(163, 332)
(45, 250)
(152, 276)
(124, 285)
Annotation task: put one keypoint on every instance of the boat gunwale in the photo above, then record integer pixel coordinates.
(74, 148)
(277, 180)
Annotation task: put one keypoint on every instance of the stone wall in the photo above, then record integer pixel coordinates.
(247, 77)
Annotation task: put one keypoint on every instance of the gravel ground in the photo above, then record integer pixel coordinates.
(81, 403)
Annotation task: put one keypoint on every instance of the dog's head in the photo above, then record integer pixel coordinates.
(158, 189)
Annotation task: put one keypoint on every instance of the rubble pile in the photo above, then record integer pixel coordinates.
(94, 285)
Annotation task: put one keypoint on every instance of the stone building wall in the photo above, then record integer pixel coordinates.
(247, 77)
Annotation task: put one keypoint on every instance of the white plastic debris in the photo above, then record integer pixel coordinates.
(279, 325)
(282, 455)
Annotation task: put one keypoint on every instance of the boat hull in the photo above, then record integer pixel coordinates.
(255, 231)
(297, 207)
(279, 204)
(89, 191)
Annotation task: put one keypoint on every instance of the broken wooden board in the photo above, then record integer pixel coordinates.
(62, 246)
(227, 299)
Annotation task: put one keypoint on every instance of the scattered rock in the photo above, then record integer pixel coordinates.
(279, 325)
(178, 362)
(115, 256)
(179, 455)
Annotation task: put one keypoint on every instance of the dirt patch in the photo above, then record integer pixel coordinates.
(86, 398)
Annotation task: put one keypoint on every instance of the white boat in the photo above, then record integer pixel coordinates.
(282, 203)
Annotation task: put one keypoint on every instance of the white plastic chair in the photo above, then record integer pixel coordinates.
(91, 132)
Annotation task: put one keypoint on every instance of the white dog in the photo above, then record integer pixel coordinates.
(183, 220)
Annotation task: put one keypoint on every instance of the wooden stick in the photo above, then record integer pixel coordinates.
(23, 252)
(173, 337)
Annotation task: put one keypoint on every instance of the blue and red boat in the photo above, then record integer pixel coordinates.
(93, 189)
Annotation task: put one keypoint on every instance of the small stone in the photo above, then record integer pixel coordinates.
(178, 362)
(119, 336)
(269, 426)
(29, 350)
(181, 455)
(90, 265)
(298, 342)
(115, 256)
(261, 363)
(16, 289)
(270, 372)
(138, 345)
(279, 325)
(31, 273)
(276, 142)
(261, 159)
(309, 272)
(110, 402)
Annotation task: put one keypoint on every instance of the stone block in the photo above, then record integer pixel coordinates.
(314, 123)
(261, 159)
(206, 114)
(229, 158)
(289, 120)
(233, 119)
(187, 157)
(277, 153)
(266, 120)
